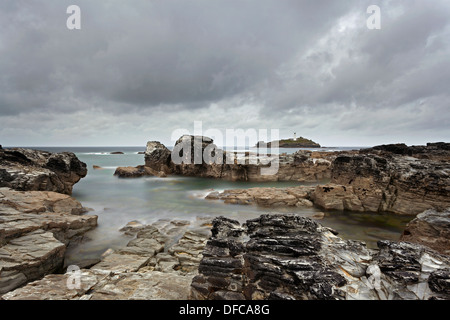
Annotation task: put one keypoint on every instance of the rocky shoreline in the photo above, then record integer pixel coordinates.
(389, 178)
(38, 218)
(276, 256)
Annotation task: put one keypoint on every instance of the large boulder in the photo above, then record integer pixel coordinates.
(34, 170)
(157, 157)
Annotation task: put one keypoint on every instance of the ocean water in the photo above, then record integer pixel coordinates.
(118, 201)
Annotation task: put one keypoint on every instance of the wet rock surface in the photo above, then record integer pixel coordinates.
(291, 257)
(33, 170)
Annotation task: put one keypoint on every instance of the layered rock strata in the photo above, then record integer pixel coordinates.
(158, 263)
(35, 229)
(291, 257)
(390, 183)
(374, 180)
(266, 197)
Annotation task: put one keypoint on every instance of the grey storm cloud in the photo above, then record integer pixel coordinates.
(299, 63)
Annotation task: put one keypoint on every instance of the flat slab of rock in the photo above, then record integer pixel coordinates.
(35, 228)
(266, 197)
(25, 211)
(119, 263)
(28, 258)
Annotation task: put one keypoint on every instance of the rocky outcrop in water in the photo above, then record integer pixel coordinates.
(381, 179)
(198, 156)
(35, 229)
(430, 228)
(291, 257)
(137, 172)
(33, 170)
(157, 157)
(266, 197)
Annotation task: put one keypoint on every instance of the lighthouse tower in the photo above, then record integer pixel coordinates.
(295, 136)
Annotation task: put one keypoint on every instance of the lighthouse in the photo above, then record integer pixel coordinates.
(295, 136)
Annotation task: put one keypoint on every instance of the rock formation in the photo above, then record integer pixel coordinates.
(35, 229)
(32, 170)
(386, 182)
(157, 156)
(266, 197)
(136, 172)
(38, 218)
(291, 257)
(430, 228)
(158, 263)
(198, 156)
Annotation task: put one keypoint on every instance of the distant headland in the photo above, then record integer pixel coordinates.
(291, 143)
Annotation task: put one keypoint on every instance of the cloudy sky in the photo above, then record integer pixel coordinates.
(138, 70)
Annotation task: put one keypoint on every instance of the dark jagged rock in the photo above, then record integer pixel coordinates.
(292, 257)
(34, 170)
(157, 157)
(439, 151)
(430, 228)
(387, 182)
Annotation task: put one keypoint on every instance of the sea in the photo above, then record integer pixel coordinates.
(117, 201)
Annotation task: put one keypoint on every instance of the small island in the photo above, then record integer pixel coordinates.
(291, 143)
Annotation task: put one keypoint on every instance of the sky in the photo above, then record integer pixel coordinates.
(141, 70)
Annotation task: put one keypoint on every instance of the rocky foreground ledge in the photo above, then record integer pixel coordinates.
(36, 227)
(292, 257)
(38, 218)
(271, 257)
(158, 263)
